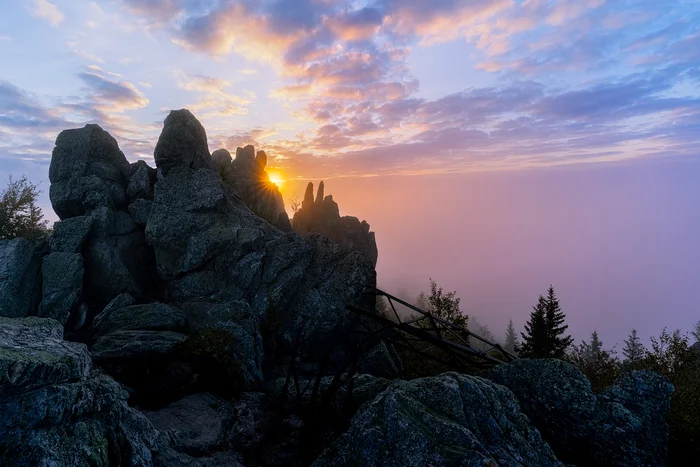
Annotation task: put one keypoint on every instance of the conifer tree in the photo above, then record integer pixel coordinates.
(544, 335)
(554, 319)
(535, 336)
(634, 350)
(511, 338)
(696, 332)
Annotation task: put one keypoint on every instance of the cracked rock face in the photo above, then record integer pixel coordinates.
(445, 420)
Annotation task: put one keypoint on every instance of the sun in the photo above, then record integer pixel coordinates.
(276, 178)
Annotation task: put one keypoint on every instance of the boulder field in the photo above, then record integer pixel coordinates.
(177, 317)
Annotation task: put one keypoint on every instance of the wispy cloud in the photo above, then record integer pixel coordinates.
(47, 11)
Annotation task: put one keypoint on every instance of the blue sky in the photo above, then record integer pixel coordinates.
(348, 89)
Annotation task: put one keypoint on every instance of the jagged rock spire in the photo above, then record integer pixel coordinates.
(319, 193)
(308, 197)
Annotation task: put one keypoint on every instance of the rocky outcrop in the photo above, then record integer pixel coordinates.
(87, 171)
(445, 420)
(20, 277)
(247, 177)
(183, 143)
(624, 425)
(322, 216)
(91, 186)
(56, 411)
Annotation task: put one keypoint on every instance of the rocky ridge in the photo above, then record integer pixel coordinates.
(202, 331)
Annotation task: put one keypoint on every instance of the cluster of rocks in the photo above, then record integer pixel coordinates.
(247, 176)
(321, 215)
(186, 314)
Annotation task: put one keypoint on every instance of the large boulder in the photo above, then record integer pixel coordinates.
(197, 425)
(62, 285)
(87, 171)
(20, 277)
(125, 345)
(34, 354)
(69, 235)
(625, 425)
(446, 420)
(183, 143)
(56, 411)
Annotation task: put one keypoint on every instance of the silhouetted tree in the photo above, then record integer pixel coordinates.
(422, 302)
(599, 365)
(634, 350)
(19, 214)
(512, 342)
(544, 332)
(696, 332)
(446, 306)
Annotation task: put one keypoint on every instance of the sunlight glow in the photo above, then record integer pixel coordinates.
(276, 178)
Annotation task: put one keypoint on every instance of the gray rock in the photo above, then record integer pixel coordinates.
(622, 426)
(33, 354)
(69, 235)
(117, 258)
(237, 320)
(141, 182)
(183, 143)
(20, 277)
(197, 425)
(62, 285)
(221, 159)
(134, 344)
(87, 171)
(247, 177)
(140, 210)
(446, 420)
(323, 216)
(86, 423)
(148, 317)
(120, 301)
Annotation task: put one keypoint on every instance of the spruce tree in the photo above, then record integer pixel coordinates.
(535, 339)
(633, 351)
(544, 335)
(554, 319)
(511, 338)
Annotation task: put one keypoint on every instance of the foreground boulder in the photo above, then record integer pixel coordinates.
(622, 426)
(446, 420)
(20, 277)
(56, 411)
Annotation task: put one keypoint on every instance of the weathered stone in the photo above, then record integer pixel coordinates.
(33, 354)
(69, 235)
(237, 320)
(148, 317)
(183, 143)
(141, 182)
(221, 158)
(140, 210)
(87, 423)
(87, 171)
(446, 420)
(323, 216)
(247, 177)
(261, 159)
(133, 344)
(196, 425)
(62, 285)
(20, 277)
(622, 426)
(120, 301)
(117, 258)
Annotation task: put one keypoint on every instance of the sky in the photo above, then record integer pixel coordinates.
(497, 146)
